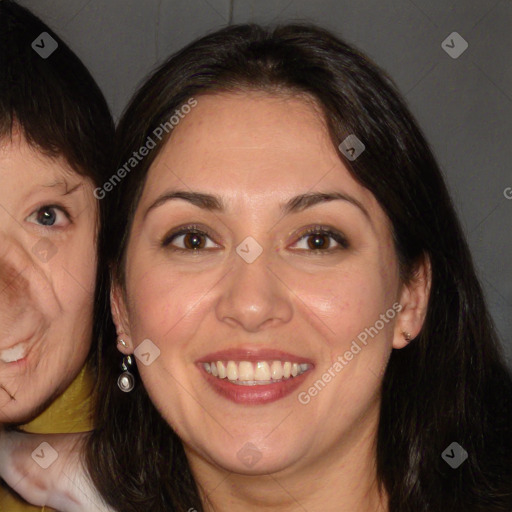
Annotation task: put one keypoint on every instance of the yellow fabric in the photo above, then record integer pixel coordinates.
(71, 412)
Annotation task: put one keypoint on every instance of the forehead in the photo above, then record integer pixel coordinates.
(25, 161)
(245, 145)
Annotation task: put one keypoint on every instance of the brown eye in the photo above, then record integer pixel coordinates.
(188, 238)
(318, 241)
(321, 239)
(194, 241)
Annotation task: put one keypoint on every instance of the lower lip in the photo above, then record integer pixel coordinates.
(20, 363)
(253, 395)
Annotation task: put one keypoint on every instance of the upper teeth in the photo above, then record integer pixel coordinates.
(14, 353)
(262, 372)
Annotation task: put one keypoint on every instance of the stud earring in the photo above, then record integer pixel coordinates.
(126, 381)
(407, 336)
(122, 342)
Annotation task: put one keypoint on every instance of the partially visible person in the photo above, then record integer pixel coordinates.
(294, 206)
(56, 134)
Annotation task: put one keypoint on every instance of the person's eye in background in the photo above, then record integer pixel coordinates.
(50, 216)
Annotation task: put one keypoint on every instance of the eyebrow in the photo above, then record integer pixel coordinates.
(296, 204)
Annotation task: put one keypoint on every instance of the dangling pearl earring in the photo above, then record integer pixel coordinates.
(126, 380)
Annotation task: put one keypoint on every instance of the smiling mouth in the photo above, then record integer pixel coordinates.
(259, 373)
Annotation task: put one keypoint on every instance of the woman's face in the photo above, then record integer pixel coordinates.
(47, 274)
(258, 294)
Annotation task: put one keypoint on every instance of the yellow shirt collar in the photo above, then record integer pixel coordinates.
(70, 412)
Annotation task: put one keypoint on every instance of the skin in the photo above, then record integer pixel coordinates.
(257, 151)
(48, 296)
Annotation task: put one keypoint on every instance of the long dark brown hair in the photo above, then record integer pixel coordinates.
(449, 384)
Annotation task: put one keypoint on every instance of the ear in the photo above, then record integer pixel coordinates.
(120, 317)
(414, 297)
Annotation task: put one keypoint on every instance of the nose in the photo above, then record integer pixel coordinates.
(14, 286)
(253, 296)
(23, 290)
(14, 295)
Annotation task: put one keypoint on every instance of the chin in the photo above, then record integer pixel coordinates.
(26, 408)
(249, 460)
(14, 414)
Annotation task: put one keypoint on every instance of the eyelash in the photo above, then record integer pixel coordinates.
(315, 230)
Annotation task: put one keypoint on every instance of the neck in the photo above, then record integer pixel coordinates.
(341, 479)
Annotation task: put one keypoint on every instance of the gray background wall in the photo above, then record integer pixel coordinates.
(464, 105)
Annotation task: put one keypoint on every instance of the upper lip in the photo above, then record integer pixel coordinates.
(253, 355)
(23, 339)
(30, 340)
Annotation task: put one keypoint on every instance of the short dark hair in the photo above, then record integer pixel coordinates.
(54, 101)
(56, 105)
(450, 383)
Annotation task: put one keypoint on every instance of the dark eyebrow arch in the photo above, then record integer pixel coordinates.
(303, 201)
(295, 204)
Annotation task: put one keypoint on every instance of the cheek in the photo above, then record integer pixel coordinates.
(72, 321)
(73, 284)
(65, 350)
(73, 270)
(165, 305)
(346, 302)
